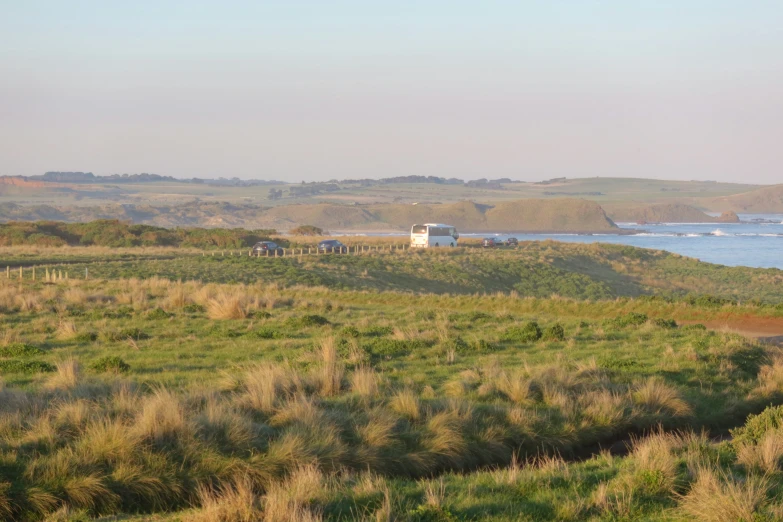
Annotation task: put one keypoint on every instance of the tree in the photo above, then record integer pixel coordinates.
(306, 230)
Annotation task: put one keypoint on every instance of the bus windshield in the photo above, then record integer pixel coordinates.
(419, 229)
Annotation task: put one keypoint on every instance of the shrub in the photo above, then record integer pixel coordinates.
(86, 337)
(629, 319)
(194, 308)
(259, 314)
(267, 332)
(482, 346)
(306, 230)
(668, 324)
(377, 331)
(387, 348)
(757, 426)
(158, 313)
(695, 327)
(19, 350)
(529, 333)
(137, 334)
(350, 331)
(306, 321)
(110, 364)
(554, 333)
(27, 367)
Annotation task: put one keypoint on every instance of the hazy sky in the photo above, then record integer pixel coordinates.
(313, 90)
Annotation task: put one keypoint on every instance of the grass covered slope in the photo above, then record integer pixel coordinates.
(530, 215)
(139, 396)
(534, 269)
(665, 213)
(759, 201)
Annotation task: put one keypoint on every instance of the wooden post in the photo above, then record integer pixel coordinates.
(33, 273)
(21, 275)
(8, 272)
(85, 274)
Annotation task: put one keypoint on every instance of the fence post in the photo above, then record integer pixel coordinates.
(8, 272)
(85, 274)
(21, 275)
(33, 273)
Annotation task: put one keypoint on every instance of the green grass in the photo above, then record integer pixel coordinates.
(350, 399)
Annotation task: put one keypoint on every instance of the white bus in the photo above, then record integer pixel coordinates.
(433, 235)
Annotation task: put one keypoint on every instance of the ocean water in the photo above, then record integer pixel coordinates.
(748, 243)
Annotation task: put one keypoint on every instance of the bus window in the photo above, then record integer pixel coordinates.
(419, 229)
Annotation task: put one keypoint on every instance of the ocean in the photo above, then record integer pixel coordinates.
(749, 243)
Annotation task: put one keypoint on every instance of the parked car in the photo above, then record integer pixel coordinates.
(489, 242)
(512, 241)
(331, 246)
(267, 248)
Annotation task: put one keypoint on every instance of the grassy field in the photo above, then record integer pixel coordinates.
(390, 385)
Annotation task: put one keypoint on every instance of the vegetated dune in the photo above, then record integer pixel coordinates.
(526, 215)
(760, 201)
(324, 215)
(666, 213)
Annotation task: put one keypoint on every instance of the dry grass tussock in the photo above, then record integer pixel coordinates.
(292, 499)
(265, 386)
(233, 502)
(659, 398)
(226, 305)
(162, 418)
(66, 329)
(330, 375)
(770, 377)
(364, 382)
(718, 497)
(66, 377)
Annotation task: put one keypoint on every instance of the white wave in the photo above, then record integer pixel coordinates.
(718, 232)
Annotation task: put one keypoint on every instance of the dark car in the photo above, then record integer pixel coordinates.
(331, 246)
(489, 242)
(267, 248)
(512, 241)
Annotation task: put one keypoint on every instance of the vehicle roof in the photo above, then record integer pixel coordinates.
(329, 241)
(265, 242)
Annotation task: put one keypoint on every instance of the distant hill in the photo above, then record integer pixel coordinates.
(665, 213)
(525, 215)
(760, 201)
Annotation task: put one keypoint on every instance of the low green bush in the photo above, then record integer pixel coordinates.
(529, 333)
(19, 350)
(267, 332)
(158, 313)
(387, 348)
(756, 426)
(194, 308)
(629, 319)
(377, 331)
(86, 337)
(556, 332)
(350, 331)
(16, 366)
(110, 364)
(669, 324)
(306, 321)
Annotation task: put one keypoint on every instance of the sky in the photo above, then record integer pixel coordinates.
(308, 90)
